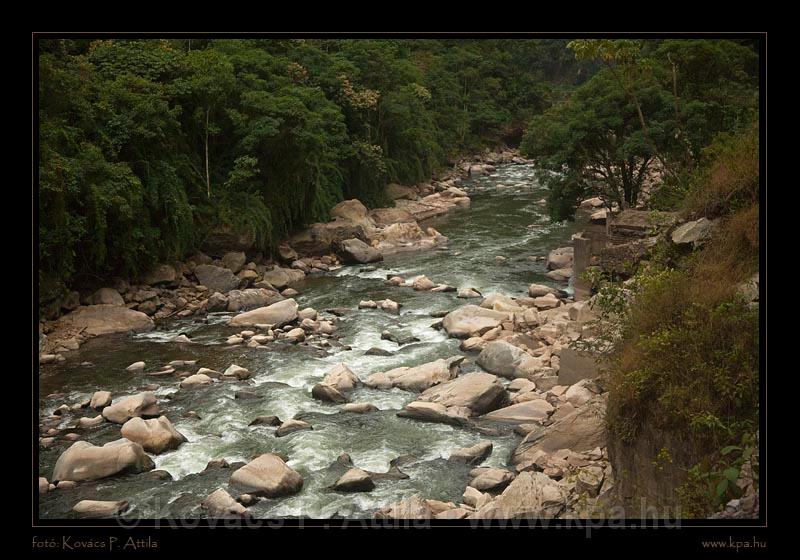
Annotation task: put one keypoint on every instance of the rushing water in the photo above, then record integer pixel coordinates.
(505, 220)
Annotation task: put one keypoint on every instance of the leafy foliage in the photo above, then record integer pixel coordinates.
(147, 145)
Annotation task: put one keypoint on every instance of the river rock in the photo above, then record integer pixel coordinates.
(291, 426)
(468, 293)
(342, 378)
(84, 461)
(472, 320)
(105, 296)
(238, 372)
(327, 393)
(478, 392)
(473, 344)
(474, 455)
(221, 504)
(97, 508)
(266, 421)
(531, 495)
(43, 485)
(413, 507)
(589, 480)
(582, 430)
(216, 278)
(359, 408)
(560, 274)
(535, 410)
(89, 422)
(143, 404)
(155, 436)
(240, 300)
(539, 290)
(417, 378)
(354, 480)
(375, 351)
(100, 400)
(560, 258)
(388, 216)
(578, 394)
(423, 283)
(277, 315)
(435, 412)
(503, 358)
(547, 301)
(234, 261)
(268, 476)
(356, 251)
(161, 274)
(96, 320)
(490, 479)
(196, 380)
(281, 278)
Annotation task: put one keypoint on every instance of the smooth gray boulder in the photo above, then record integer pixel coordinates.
(277, 315)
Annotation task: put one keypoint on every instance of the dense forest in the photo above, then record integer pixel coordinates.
(147, 145)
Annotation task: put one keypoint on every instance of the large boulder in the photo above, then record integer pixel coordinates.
(575, 366)
(96, 320)
(351, 211)
(531, 495)
(155, 436)
(267, 475)
(240, 300)
(342, 378)
(277, 315)
(98, 508)
(216, 278)
(505, 359)
(356, 251)
(413, 507)
(527, 412)
(143, 404)
(234, 261)
(696, 232)
(354, 480)
(435, 412)
(490, 479)
(582, 430)
(472, 455)
(327, 393)
(417, 378)
(105, 296)
(560, 258)
(161, 274)
(221, 504)
(319, 238)
(479, 392)
(388, 216)
(196, 380)
(281, 278)
(397, 192)
(472, 320)
(100, 400)
(84, 461)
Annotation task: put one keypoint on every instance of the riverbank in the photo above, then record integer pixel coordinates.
(451, 407)
(232, 278)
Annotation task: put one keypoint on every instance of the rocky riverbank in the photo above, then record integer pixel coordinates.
(229, 280)
(514, 373)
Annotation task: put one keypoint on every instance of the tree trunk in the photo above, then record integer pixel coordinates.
(208, 175)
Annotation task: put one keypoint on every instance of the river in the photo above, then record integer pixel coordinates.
(505, 220)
